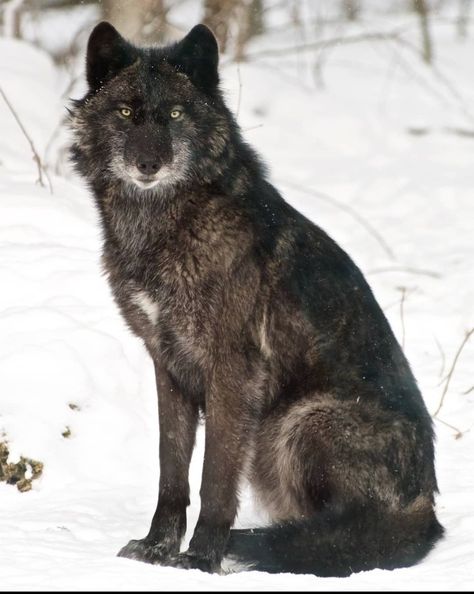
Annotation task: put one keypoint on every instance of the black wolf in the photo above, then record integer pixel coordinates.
(255, 319)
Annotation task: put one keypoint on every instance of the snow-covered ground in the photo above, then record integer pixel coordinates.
(400, 203)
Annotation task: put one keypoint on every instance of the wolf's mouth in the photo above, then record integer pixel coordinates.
(165, 175)
(145, 182)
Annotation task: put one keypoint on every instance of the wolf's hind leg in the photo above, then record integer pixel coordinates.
(321, 452)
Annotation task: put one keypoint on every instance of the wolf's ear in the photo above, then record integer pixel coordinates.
(107, 54)
(197, 55)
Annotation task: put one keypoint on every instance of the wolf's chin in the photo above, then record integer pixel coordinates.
(163, 179)
(145, 185)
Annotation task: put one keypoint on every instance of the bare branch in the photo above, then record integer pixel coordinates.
(36, 157)
(422, 9)
(353, 213)
(12, 14)
(463, 18)
(439, 75)
(252, 128)
(402, 315)
(393, 36)
(451, 371)
(398, 44)
(239, 97)
(408, 269)
(443, 357)
(458, 433)
(323, 43)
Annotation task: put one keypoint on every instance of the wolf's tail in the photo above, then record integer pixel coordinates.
(336, 544)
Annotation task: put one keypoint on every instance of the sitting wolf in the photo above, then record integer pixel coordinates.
(255, 319)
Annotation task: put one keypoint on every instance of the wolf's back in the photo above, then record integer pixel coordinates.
(336, 544)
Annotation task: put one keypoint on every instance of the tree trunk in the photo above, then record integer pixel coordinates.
(12, 15)
(351, 9)
(234, 22)
(218, 15)
(421, 8)
(143, 21)
(463, 17)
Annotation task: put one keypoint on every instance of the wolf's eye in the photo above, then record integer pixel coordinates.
(175, 113)
(126, 112)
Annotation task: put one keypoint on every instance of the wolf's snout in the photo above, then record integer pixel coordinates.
(148, 165)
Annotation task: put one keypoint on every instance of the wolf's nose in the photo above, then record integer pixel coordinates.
(147, 165)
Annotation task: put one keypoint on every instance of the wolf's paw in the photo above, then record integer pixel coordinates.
(146, 551)
(191, 561)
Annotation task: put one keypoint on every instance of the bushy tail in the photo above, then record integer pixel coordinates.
(339, 543)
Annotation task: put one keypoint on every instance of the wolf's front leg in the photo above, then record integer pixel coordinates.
(178, 420)
(231, 416)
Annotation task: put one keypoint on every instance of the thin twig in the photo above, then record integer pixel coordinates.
(285, 75)
(416, 76)
(468, 391)
(393, 36)
(451, 371)
(402, 315)
(388, 306)
(239, 96)
(36, 157)
(323, 43)
(458, 433)
(438, 74)
(443, 357)
(353, 213)
(252, 128)
(49, 180)
(405, 269)
(442, 380)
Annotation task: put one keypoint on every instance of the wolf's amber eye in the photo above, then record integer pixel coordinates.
(175, 113)
(126, 112)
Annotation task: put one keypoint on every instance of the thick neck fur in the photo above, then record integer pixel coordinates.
(134, 219)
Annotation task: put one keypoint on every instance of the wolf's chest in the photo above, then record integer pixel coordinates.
(172, 332)
(170, 317)
(170, 280)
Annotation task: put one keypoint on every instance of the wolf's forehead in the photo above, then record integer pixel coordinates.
(154, 83)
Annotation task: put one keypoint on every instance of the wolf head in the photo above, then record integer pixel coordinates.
(153, 118)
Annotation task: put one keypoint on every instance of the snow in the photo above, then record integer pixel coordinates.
(63, 343)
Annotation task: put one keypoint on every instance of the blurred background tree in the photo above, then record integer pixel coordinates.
(236, 22)
(268, 32)
(144, 21)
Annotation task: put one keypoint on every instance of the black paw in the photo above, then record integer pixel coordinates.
(146, 551)
(191, 561)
